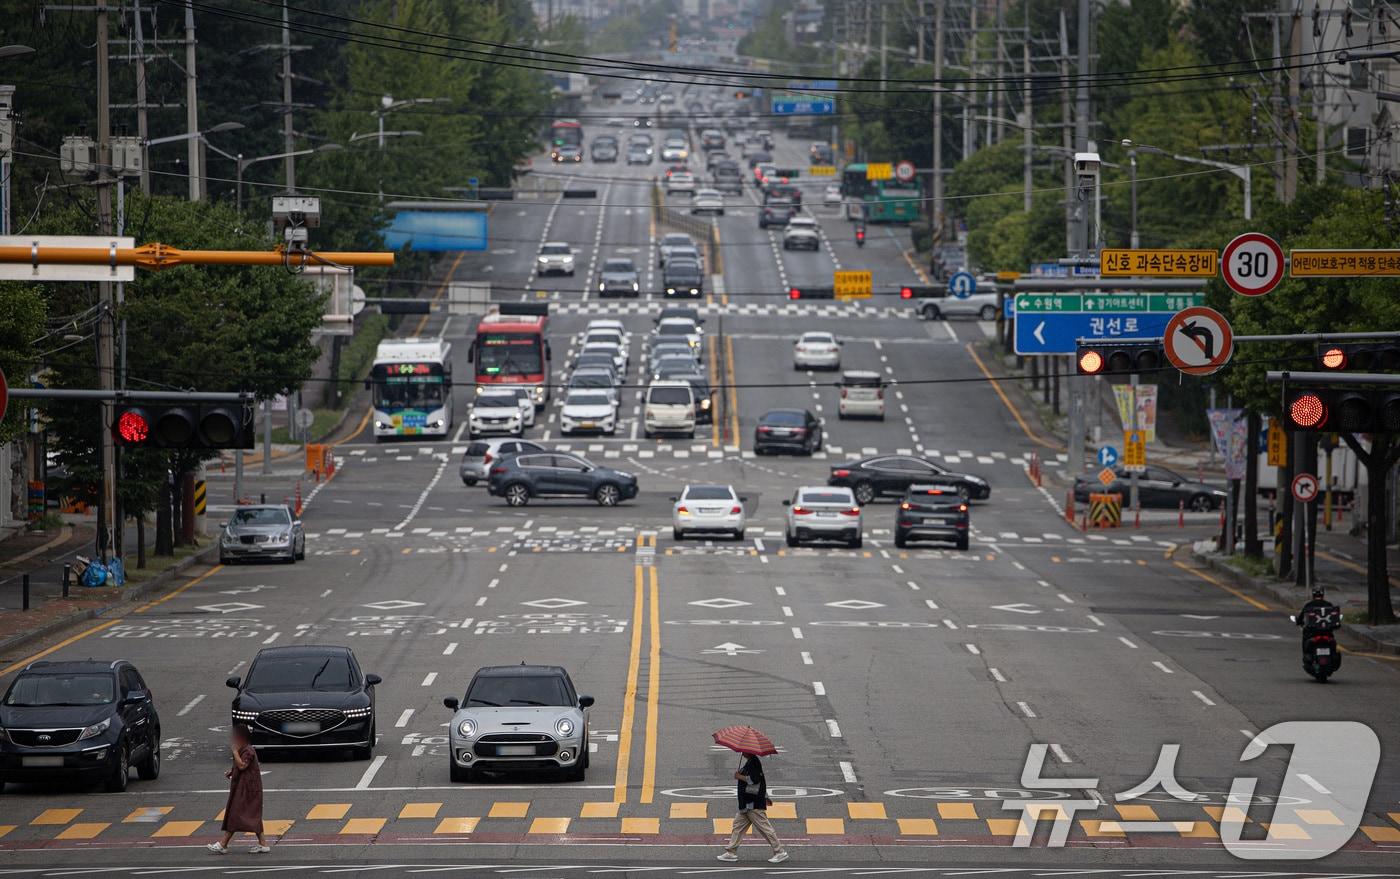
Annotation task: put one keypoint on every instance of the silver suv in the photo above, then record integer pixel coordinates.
(518, 717)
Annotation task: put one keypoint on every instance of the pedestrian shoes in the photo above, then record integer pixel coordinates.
(778, 858)
(727, 856)
(259, 850)
(217, 848)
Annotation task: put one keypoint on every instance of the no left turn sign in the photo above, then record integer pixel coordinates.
(1252, 264)
(1198, 340)
(1304, 488)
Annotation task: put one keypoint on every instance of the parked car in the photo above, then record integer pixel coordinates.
(817, 512)
(515, 717)
(496, 414)
(307, 698)
(262, 531)
(885, 475)
(817, 350)
(1157, 487)
(89, 719)
(801, 233)
(932, 512)
(787, 430)
(521, 478)
(477, 459)
(555, 257)
(862, 394)
(707, 201)
(707, 509)
(619, 277)
(587, 412)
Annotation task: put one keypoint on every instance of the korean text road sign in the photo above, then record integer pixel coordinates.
(1108, 456)
(904, 172)
(822, 171)
(1305, 488)
(1106, 476)
(1344, 263)
(1252, 264)
(1134, 451)
(1198, 340)
(879, 171)
(805, 99)
(962, 285)
(1117, 263)
(1051, 323)
(1277, 444)
(851, 284)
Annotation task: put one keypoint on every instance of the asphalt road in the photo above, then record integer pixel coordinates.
(905, 688)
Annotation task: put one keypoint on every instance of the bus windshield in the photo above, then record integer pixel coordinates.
(509, 354)
(408, 386)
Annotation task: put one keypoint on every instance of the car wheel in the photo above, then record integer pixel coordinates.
(469, 483)
(291, 558)
(930, 312)
(900, 540)
(791, 540)
(517, 494)
(457, 773)
(224, 560)
(120, 772)
(841, 416)
(1200, 503)
(962, 544)
(677, 534)
(607, 495)
(857, 543)
(821, 439)
(301, 553)
(576, 772)
(988, 312)
(367, 751)
(739, 535)
(149, 769)
(864, 492)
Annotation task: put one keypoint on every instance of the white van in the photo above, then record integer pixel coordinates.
(669, 408)
(862, 394)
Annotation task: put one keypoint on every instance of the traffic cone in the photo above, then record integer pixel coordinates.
(1181, 514)
(298, 507)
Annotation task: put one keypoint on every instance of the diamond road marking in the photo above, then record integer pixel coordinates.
(553, 603)
(393, 604)
(228, 607)
(720, 603)
(854, 604)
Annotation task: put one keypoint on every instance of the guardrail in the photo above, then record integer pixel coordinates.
(706, 232)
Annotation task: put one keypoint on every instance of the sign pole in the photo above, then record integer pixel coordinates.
(1133, 425)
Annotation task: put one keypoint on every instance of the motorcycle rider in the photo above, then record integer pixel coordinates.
(1318, 603)
(860, 227)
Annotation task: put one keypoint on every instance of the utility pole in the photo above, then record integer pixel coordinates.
(288, 135)
(1277, 100)
(1086, 244)
(192, 109)
(7, 141)
(1028, 132)
(936, 221)
(142, 130)
(1000, 83)
(973, 71)
(1290, 123)
(107, 508)
(884, 44)
(1066, 136)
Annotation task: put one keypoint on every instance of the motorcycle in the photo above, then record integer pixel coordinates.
(1321, 657)
(860, 236)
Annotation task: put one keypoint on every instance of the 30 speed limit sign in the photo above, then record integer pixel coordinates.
(1252, 264)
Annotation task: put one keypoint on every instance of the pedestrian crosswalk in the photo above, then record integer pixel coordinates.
(777, 308)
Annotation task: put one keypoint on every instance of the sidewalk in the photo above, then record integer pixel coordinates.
(41, 555)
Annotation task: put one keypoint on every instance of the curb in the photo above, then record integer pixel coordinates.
(156, 584)
(1291, 596)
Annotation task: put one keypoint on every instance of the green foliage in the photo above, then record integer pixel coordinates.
(358, 356)
(768, 39)
(22, 311)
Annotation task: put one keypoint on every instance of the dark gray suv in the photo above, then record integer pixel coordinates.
(519, 478)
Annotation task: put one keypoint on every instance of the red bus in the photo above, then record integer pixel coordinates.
(566, 131)
(512, 349)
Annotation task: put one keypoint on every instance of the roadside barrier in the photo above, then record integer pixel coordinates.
(1106, 510)
(1181, 514)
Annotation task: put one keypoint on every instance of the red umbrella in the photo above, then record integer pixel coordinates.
(745, 740)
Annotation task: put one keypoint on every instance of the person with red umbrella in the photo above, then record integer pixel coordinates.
(753, 790)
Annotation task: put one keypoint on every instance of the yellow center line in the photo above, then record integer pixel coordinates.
(733, 391)
(442, 288)
(716, 380)
(629, 695)
(1254, 602)
(996, 386)
(653, 694)
(174, 592)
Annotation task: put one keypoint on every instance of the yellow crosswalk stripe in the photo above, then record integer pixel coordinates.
(147, 814)
(277, 826)
(327, 811)
(1136, 813)
(508, 810)
(420, 810)
(1003, 826)
(1318, 816)
(456, 825)
(1393, 816)
(599, 810)
(725, 826)
(6, 829)
(363, 826)
(690, 810)
(1094, 827)
(865, 810)
(826, 826)
(917, 827)
(56, 816)
(550, 825)
(83, 831)
(1286, 831)
(1226, 813)
(782, 810)
(177, 829)
(956, 811)
(1375, 834)
(641, 825)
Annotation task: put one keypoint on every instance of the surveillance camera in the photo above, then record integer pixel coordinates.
(296, 210)
(1086, 164)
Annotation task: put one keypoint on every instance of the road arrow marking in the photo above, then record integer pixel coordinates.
(1039, 332)
(729, 648)
(1015, 608)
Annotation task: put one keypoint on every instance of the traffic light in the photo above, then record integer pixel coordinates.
(184, 426)
(1359, 356)
(1342, 410)
(1119, 358)
(812, 293)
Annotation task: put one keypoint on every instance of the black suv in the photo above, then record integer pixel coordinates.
(932, 512)
(683, 279)
(90, 718)
(307, 697)
(519, 478)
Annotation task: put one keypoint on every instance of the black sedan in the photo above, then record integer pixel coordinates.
(891, 475)
(787, 430)
(1157, 487)
(309, 697)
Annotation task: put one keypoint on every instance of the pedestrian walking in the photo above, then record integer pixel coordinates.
(752, 788)
(243, 812)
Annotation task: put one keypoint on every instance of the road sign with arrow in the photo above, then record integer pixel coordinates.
(1198, 340)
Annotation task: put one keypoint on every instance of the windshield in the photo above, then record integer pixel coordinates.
(408, 386)
(261, 516)
(618, 265)
(685, 273)
(326, 674)
(591, 380)
(555, 249)
(675, 330)
(588, 400)
(709, 493)
(496, 401)
(494, 691)
(676, 241)
(784, 417)
(69, 689)
(509, 354)
(669, 396)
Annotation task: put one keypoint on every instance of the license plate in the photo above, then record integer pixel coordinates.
(301, 728)
(41, 762)
(1324, 651)
(515, 750)
(588, 424)
(827, 515)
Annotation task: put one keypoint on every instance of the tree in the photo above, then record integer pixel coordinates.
(22, 313)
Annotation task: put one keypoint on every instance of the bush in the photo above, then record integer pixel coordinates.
(358, 355)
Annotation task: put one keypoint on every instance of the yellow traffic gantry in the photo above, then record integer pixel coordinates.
(156, 256)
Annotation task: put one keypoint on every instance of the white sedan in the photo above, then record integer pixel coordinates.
(707, 201)
(681, 181)
(817, 351)
(708, 509)
(588, 411)
(801, 233)
(832, 194)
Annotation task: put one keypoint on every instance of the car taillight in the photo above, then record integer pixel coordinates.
(905, 506)
(735, 510)
(487, 459)
(843, 393)
(879, 393)
(799, 430)
(682, 510)
(800, 511)
(764, 429)
(843, 472)
(853, 511)
(496, 471)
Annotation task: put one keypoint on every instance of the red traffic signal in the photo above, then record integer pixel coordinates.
(184, 426)
(1359, 356)
(794, 293)
(1306, 411)
(1342, 411)
(906, 292)
(1090, 362)
(1334, 357)
(133, 427)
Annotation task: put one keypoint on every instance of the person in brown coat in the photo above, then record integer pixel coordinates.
(243, 812)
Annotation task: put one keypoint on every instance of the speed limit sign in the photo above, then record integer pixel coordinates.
(904, 172)
(1252, 264)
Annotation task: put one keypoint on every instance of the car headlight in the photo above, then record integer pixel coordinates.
(636, 286)
(358, 713)
(602, 286)
(564, 726)
(705, 403)
(466, 729)
(244, 716)
(670, 290)
(435, 425)
(383, 425)
(539, 393)
(96, 729)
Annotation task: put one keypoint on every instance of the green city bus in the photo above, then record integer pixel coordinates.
(882, 201)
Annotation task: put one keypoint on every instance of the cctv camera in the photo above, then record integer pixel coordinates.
(1086, 164)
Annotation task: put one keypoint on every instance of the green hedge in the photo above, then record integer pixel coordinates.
(358, 355)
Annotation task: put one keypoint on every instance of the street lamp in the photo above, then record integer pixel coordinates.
(1244, 172)
(244, 163)
(14, 50)
(387, 105)
(191, 135)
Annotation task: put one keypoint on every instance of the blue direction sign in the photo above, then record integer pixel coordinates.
(1108, 456)
(806, 99)
(1057, 332)
(962, 285)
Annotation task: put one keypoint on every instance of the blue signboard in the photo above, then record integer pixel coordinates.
(1008, 307)
(1108, 456)
(1057, 332)
(806, 99)
(962, 285)
(437, 231)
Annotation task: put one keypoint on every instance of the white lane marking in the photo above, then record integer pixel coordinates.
(932, 605)
(1044, 583)
(1018, 566)
(1202, 696)
(780, 591)
(1060, 754)
(273, 637)
(996, 675)
(848, 772)
(503, 567)
(429, 678)
(1025, 709)
(1127, 642)
(1095, 620)
(457, 437)
(404, 718)
(422, 498)
(833, 729)
(1065, 598)
(797, 632)
(758, 544)
(1163, 668)
(897, 569)
(493, 584)
(912, 585)
(818, 688)
(189, 706)
(950, 624)
(373, 769)
(806, 658)
(450, 649)
(972, 648)
(324, 594)
(480, 601)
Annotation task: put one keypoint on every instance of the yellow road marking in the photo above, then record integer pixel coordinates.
(733, 392)
(725, 826)
(56, 816)
(6, 829)
(83, 831)
(1350, 565)
(629, 695)
(917, 827)
(909, 258)
(1002, 826)
(363, 826)
(508, 810)
(456, 825)
(359, 429)
(328, 811)
(996, 386)
(420, 810)
(949, 811)
(783, 810)
(866, 810)
(716, 380)
(1375, 834)
(825, 826)
(1253, 602)
(177, 829)
(277, 826)
(180, 590)
(641, 825)
(1318, 816)
(1137, 813)
(598, 810)
(549, 825)
(1094, 827)
(653, 693)
(146, 813)
(16, 666)
(690, 810)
